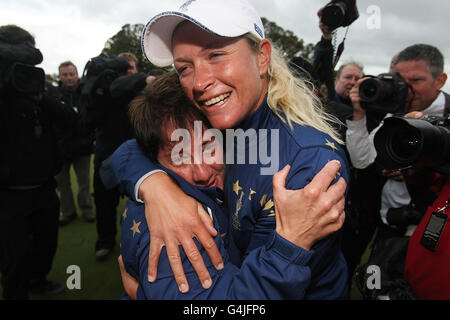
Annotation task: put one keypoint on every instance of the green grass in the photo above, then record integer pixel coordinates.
(100, 280)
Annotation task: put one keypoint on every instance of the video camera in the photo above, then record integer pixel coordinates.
(17, 69)
(403, 143)
(386, 92)
(103, 62)
(100, 71)
(339, 13)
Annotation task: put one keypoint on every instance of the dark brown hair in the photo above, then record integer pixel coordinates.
(161, 103)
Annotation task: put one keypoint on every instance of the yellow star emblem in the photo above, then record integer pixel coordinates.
(331, 145)
(263, 200)
(269, 205)
(135, 227)
(124, 214)
(237, 187)
(251, 193)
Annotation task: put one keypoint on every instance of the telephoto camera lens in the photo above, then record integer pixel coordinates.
(403, 142)
(405, 145)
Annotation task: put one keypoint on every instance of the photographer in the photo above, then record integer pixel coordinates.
(421, 68)
(427, 262)
(109, 85)
(29, 160)
(361, 210)
(419, 147)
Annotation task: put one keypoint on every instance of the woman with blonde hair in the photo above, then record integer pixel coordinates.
(244, 87)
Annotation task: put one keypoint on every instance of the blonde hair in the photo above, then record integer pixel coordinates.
(290, 98)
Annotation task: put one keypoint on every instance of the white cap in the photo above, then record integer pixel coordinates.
(227, 18)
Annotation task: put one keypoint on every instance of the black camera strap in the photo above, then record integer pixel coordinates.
(340, 48)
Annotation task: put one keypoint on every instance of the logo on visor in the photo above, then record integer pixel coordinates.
(258, 30)
(184, 6)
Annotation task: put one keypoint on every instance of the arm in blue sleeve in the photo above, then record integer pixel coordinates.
(278, 270)
(328, 267)
(125, 167)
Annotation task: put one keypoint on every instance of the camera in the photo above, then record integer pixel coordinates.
(404, 216)
(403, 143)
(386, 92)
(100, 71)
(339, 13)
(17, 69)
(103, 62)
(26, 79)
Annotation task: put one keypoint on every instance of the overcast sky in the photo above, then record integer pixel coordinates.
(78, 29)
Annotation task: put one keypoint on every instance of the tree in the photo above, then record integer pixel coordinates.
(128, 39)
(287, 41)
(52, 78)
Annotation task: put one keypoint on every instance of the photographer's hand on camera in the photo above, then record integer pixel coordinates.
(358, 111)
(414, 115)
(326, 33)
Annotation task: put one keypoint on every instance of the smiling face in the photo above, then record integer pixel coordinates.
(208, 173)
(224, 77)
(424, 86)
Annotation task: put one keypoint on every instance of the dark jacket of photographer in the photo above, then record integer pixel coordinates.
(78, 140)
(30, 155)
(108, 112)
(323, 66)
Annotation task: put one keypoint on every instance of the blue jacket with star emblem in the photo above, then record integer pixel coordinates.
(277, 270)
(248, 190)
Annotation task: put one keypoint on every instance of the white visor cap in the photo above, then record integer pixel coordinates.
(226, 18)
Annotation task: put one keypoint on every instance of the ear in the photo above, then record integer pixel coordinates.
(265, 51)
(440, 80)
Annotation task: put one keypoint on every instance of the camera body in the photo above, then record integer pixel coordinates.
(100, 72)
(339, 13)
(386, 93)
(103, 62)
(403, 143)
(25, 78)
(17, 69)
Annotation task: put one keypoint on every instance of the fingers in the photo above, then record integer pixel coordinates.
(194, 256)
(153, 258)
(319, 13)
(338, 189)
(333, 220)
(279, 179)
(323, 179)
(335, 201)
(173, 254)
(414, 115)
(196, 260)
(120, 261)
(206, 219)
(207, 241)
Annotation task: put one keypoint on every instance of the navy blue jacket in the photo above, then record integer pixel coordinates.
(249, 197)
(277, 270)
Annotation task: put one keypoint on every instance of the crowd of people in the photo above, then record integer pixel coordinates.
(200, 223)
